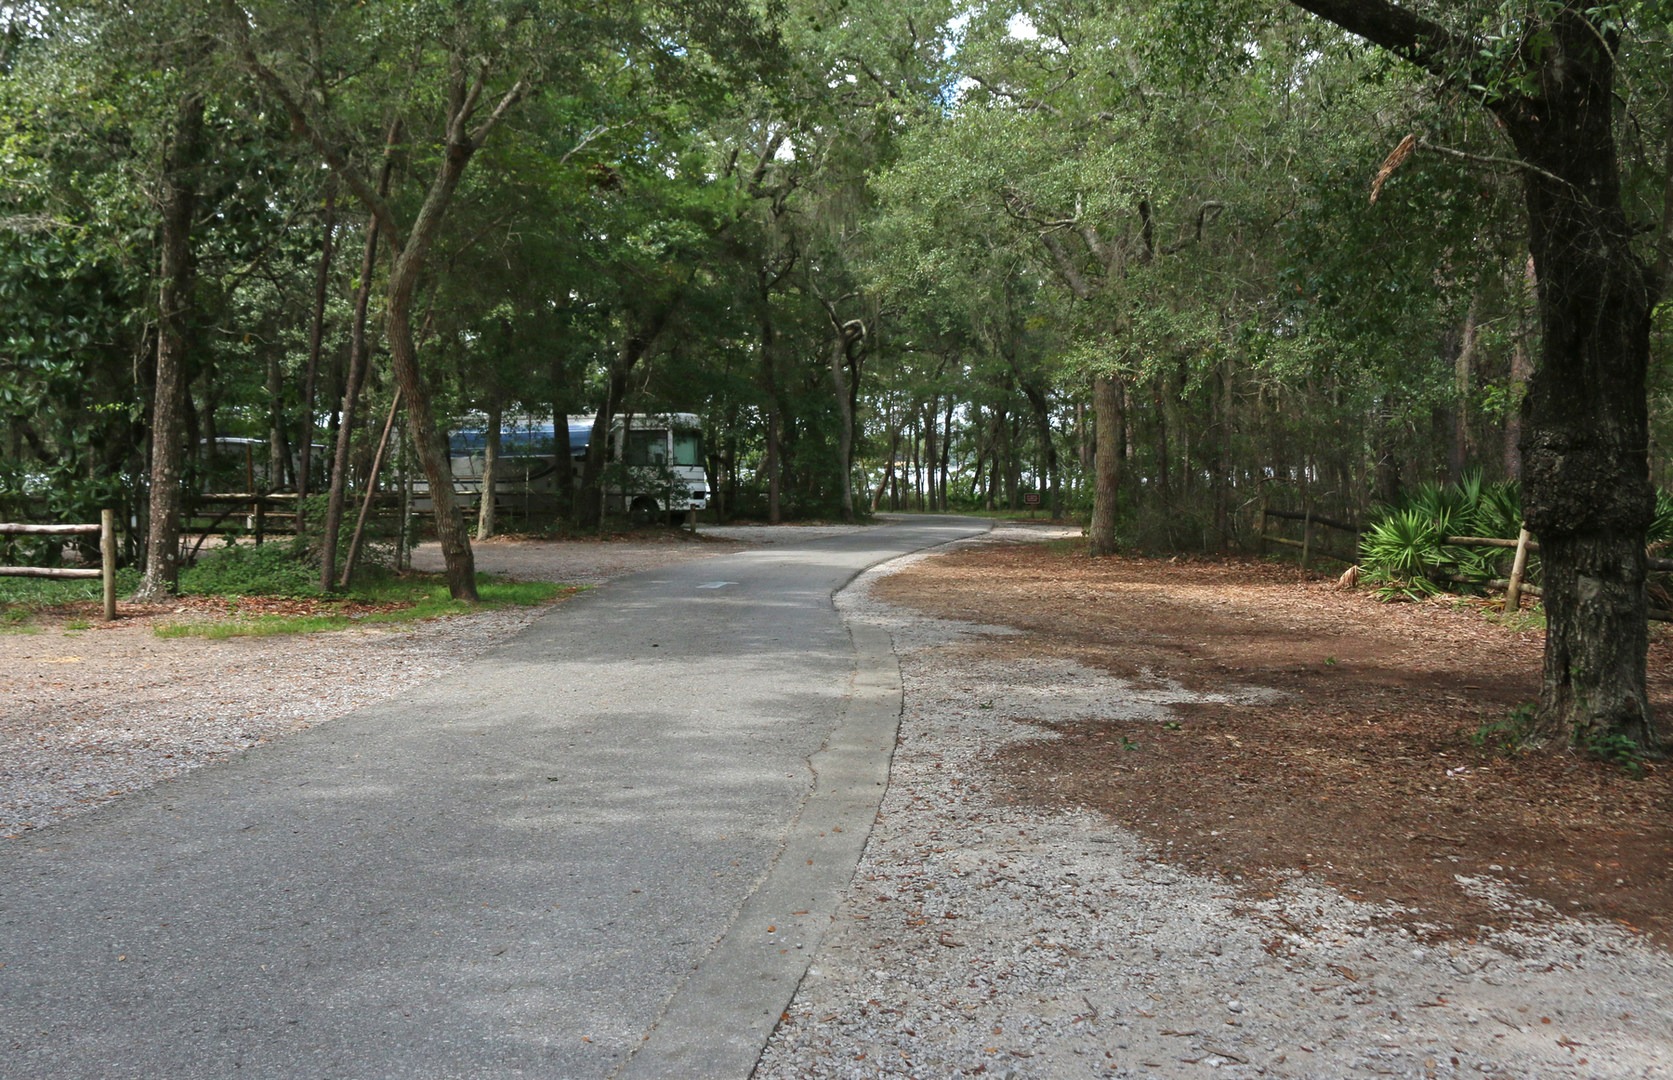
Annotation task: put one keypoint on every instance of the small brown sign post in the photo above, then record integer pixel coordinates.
(1031, 499)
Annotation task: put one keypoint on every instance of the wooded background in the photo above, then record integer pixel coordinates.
(892, 251)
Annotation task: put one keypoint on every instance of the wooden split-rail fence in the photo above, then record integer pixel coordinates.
(106, 530)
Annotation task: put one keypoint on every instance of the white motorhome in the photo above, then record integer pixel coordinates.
(654, 464)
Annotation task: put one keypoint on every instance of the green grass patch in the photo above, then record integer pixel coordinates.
(250, 578)
(22, 599)
(276, 569)
(39, 594)
(255, 626)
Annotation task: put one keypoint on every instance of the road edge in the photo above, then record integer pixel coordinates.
(720, 1019)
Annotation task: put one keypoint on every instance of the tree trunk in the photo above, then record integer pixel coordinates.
(1223, 466)
(775, 467)
(946, 453)
(589, 498)
(174, 278)
(1164, 486)
(888, 471)
(1040, 408)
(356, 376)
(1521, 367)
(427, 438)
(563, 456)
(842, 347)
(1585, 434)
(278, 456)
(636, 344)
(1463, 377)
(316, 346)
(1106, 464)
(466, 79)
(932, 451)
(485, 507)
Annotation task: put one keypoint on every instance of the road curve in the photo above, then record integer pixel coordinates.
(607, 849)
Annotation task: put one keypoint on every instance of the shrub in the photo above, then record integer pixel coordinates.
(1400, 552)
(1405, 549)
(276, 569)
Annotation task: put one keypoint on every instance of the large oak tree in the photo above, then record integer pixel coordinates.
(1548, 75)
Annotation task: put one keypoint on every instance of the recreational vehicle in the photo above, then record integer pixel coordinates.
(654, 465)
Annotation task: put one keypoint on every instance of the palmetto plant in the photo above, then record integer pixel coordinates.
(1661, 529)
(1405, 549)
(1400, 552)
(1499, 513)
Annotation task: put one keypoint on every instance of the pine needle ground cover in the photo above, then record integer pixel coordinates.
(1378, 765)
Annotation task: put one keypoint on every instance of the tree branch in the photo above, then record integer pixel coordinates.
(1206, 213)
(1410, 36)
(582, 144)
(305, 127)
(1487, 159)
(1066, 267)
(519, 90)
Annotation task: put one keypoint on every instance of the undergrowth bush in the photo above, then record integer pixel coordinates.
(275, 569)
(1404, 550)
(377, 547)
(1661, 529)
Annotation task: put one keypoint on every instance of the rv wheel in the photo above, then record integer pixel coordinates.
(643, 511)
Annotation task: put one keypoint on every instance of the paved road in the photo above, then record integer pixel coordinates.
(608, 849)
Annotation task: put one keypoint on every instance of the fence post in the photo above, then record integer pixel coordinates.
(1513, 592)
(107, 557)
(1306, 535)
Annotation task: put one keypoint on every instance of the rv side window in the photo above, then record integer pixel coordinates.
(647, 448)
(688, 447)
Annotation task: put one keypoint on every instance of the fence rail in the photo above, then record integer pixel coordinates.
(1306, 545)
(106, 531)
(1515, 586)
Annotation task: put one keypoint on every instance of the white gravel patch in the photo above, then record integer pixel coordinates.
(980, 938)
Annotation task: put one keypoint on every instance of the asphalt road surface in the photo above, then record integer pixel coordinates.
(607, 849)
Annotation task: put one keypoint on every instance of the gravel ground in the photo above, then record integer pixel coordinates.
(978, 937)
(981, 938)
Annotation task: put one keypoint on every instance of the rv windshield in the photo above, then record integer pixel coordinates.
(688, 447)
(647, 447)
